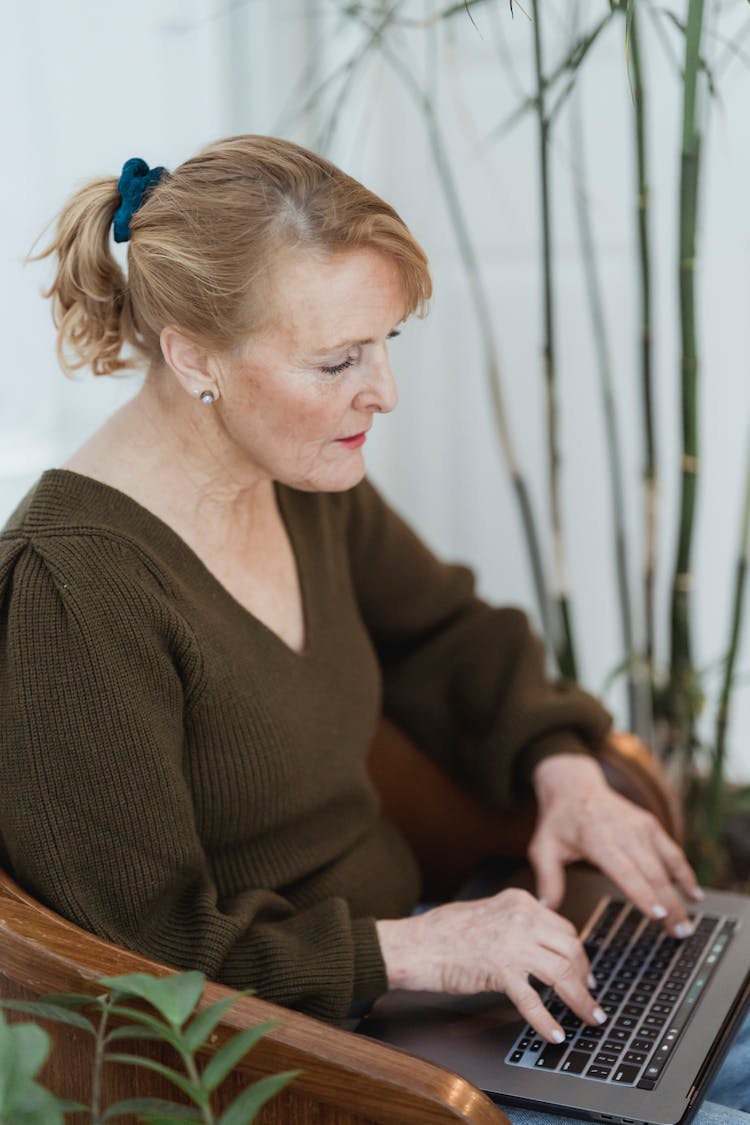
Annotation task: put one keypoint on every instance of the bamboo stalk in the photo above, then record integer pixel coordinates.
(683, 683)
(483, 311)
(564, 638)
(650, 471)
(604, 367)
(715, 811)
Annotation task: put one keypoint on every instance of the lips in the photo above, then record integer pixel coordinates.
(354, 441)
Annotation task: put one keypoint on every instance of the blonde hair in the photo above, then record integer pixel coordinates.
(203, 249)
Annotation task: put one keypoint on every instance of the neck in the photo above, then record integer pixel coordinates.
(172, 454)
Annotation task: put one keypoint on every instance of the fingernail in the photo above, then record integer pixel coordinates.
(683, 930)
(591, 980)
(557, 1036)
(542, 901)
(697, 894)
(659, 911)
(599, 1015)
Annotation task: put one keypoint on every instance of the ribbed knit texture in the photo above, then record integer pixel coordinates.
(175, 778)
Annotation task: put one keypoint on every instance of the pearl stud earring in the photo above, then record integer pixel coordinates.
(207, 397)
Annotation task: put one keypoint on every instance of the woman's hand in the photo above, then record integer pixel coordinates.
(493, 945)
(581, 817)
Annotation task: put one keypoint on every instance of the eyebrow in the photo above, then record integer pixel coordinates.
(352, 343)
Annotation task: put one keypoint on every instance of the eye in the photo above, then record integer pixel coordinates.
(348, 362)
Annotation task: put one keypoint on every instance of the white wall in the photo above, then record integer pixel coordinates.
(88, 89)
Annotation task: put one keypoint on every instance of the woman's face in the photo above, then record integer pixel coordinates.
(298, 399)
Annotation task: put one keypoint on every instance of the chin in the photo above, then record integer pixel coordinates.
(334, 478)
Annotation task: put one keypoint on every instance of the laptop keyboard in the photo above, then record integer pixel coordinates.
(647, 983)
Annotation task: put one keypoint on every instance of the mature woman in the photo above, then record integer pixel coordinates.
(205, 611)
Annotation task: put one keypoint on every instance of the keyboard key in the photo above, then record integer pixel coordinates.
(628, 1022)
(551, 1056)
(536, 1045)
(605, 1059)
(587, 1044)
(647, 1032)
(523, 1043)
(634, 1057)
(633, 1010)
(516, 1056)
(598, 1072)
(642, 1044)
(575, 1062)
(618, 1033)
(625, 1074)
(611, 1046)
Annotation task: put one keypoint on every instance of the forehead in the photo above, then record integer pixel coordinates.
(322, 299)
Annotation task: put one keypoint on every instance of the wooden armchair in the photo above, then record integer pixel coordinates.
(346, 1079)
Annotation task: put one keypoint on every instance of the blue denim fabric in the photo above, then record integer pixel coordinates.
(727, 1101)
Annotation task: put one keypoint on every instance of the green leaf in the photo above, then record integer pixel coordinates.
(23, 1050)
(166, 1120)
(194, 1092)
(133, 1031)
(201, 1026)
(49, 1012)
(70, 999)
(37, 1107)
(162, 1030)
(151, 1106)
(174, 996)
(245, 1107)
(217, 1068)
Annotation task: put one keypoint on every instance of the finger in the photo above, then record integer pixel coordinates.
(548, 870)
(526, 999)
(570, 947)
(677, 865)
(622, 870)
(651, 865)
(564, 976)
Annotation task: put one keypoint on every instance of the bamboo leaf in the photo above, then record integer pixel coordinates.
(201, 1026)
(152, 1106)
(174, 997)
(194, 1092)
(244, 1108)
(226, 1059)
(52, 1012)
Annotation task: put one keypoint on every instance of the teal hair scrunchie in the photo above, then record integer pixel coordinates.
(135, 182)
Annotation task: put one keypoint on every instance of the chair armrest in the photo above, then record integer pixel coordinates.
(346, 1079)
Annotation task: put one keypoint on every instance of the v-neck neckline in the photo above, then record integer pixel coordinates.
(167, 535)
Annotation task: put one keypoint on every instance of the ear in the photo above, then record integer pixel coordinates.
(188, 361)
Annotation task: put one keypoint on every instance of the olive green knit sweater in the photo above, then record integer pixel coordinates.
(176, 779)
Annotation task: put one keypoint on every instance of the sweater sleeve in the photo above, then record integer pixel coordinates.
(96, 815)
(464, 680)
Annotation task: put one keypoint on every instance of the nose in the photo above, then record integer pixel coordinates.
(380, 394)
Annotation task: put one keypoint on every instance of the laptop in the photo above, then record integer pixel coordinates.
(673, 1007)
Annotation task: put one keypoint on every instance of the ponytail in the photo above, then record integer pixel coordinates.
(90, 300)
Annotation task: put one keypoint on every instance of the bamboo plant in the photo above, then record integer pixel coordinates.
(663, 704)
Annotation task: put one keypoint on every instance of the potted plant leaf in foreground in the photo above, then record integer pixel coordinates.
(137, 1006)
